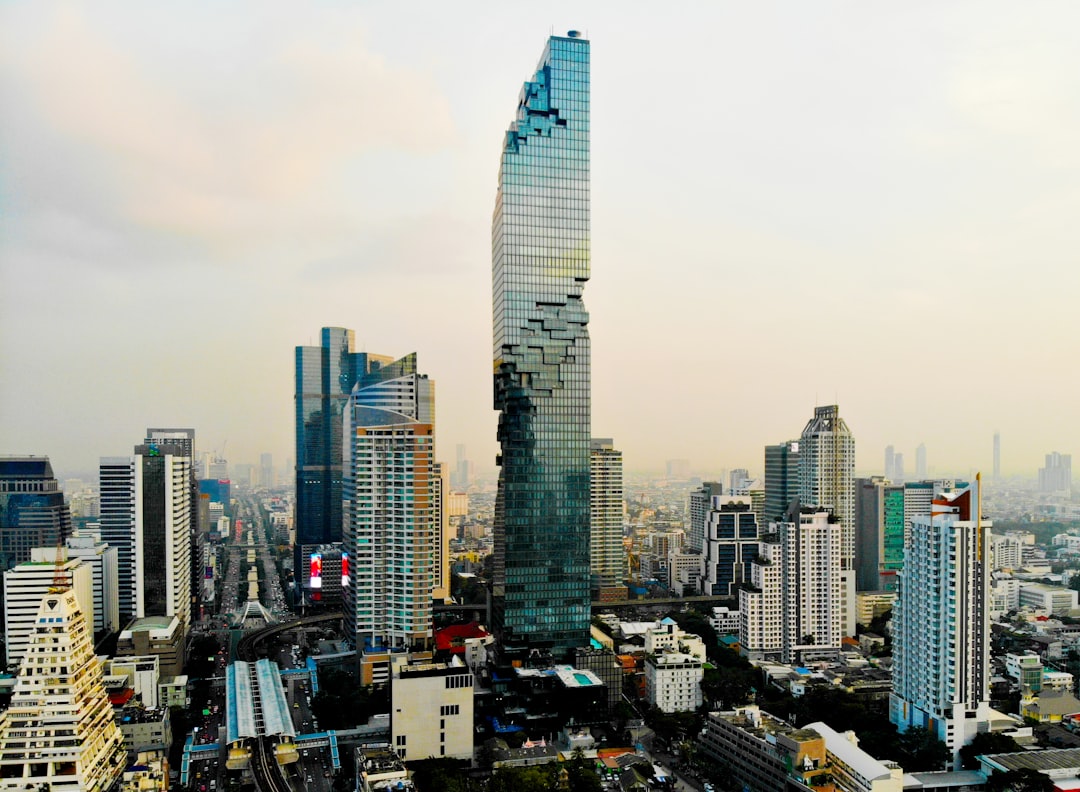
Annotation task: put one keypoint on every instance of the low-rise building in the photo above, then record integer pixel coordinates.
(145, 729)
(431, 709)
(1057, 600)
(673, 681)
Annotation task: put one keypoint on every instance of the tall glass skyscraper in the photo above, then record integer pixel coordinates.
(540, 263)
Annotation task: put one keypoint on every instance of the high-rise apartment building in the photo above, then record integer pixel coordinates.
(325, 376)
(731, 543)
(781, 479)
(391, 508)
(890, 463)
(32, 508)
(540, 264)
(792, 611)
(701, 500)
(827, 470)
(59, 732)
(1056, 476)
(941, 646)
(147, 514)
(609, 559)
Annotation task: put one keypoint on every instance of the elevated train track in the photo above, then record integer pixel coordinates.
(265, 770)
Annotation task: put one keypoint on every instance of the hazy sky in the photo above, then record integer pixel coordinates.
(872, 204)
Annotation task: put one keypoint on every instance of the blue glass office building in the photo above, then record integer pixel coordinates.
(325, 376)
(540, 263)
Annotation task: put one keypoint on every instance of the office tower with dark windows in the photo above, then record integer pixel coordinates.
(540, 264)
(609, 559)
(391, 508)
(781, 479)
(325, 376)
(32, 508)
(879, 533)
(731, 544)
(701, 499)
(147, 512)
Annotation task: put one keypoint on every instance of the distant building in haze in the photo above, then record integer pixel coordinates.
(920, 461)
(266, 470)
(540, 264)
(677, 469)
(997, 455)
(32, 508)
(1056, 476)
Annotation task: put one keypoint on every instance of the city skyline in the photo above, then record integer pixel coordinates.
(888, 167)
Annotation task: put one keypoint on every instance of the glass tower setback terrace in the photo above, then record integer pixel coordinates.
(540, 263)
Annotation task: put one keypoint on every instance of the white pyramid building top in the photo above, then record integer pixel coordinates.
(59, 733)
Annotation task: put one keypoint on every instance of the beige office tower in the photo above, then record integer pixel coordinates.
(609, 560)
(59, 733)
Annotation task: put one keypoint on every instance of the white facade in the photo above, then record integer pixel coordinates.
(392, 520)
(60, 703)
(725, 621)
(103, 563)
(761, 606)
(606, 506)
(669, 637)
(796, 608)
(1057, 600)
(24, 587)
(142, 675)
(673, 681)
(941, 652)
(431, 710)
(1006, 552)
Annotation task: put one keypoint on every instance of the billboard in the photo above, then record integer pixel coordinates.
(315, 576)
(344, 569)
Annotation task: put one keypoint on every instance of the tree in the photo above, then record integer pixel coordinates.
(986, 743)
(920, 751)
(1023, 780)
(537, 778)
(581, 774)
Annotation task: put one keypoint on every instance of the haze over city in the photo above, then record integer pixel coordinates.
(791, 204)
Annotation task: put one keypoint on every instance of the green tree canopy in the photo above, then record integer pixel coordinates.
(986, 743)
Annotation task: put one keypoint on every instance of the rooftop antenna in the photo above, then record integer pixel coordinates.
(60, 582)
